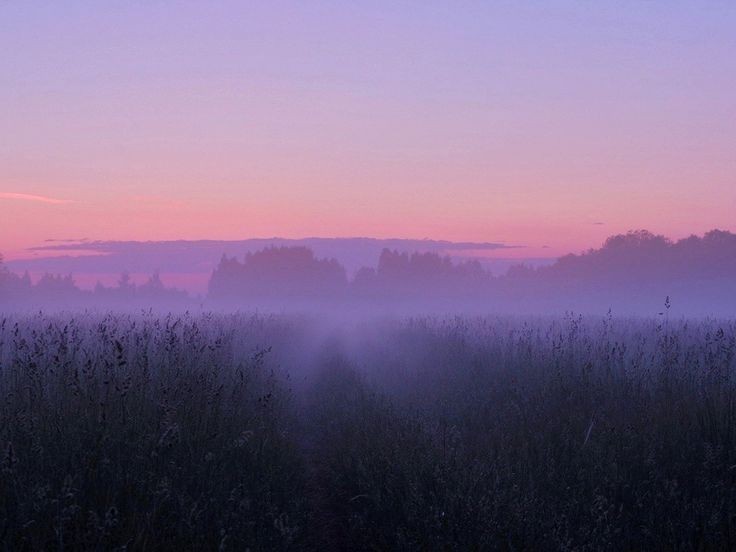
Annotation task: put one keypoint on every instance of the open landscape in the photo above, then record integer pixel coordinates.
(377, 276)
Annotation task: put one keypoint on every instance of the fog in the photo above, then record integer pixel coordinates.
(420, 403)
(634, 273)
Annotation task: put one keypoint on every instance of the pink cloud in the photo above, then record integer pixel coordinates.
(36, 198)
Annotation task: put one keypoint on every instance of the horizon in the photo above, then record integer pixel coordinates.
(60, 256)
(189, 265)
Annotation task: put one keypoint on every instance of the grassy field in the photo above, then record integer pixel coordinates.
(227, 432)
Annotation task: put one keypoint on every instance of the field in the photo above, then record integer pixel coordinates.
(227, 432)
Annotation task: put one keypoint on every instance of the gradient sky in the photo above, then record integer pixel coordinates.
(538, 123)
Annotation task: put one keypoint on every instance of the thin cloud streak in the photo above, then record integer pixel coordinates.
(36, 198)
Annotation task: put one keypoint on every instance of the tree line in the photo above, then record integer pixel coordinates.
(631, 271)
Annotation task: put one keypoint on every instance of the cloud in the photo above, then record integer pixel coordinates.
(36, 198)
(202, 256)
(67, 240)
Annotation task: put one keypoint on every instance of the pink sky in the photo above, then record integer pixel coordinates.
(524, 124)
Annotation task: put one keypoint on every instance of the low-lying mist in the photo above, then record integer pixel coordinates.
(633, 273)
(421, 404)
(232, 431)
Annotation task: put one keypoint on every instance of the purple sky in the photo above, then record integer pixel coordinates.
(512, 122)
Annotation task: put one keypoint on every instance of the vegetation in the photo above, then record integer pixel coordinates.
(630, 272)
(234, 431)
(142, 432)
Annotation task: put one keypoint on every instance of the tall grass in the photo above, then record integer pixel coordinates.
(547, 434)
(152, 432)
(141, 431)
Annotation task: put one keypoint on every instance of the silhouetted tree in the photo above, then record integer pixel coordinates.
(278, 273)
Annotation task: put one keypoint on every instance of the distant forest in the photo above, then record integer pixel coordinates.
(632, 272)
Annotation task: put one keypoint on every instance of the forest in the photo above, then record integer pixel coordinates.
(630, 273)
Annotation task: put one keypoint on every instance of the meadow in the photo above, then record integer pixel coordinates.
(278, 432)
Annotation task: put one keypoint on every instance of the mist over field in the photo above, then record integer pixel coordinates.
(421, 404)
(214, 431)
(367, 276)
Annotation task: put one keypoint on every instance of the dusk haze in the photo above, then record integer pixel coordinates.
(367, 276)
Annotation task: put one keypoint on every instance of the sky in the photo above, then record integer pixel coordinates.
(546, 124)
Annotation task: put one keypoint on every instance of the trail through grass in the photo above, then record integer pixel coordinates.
(275, 433)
